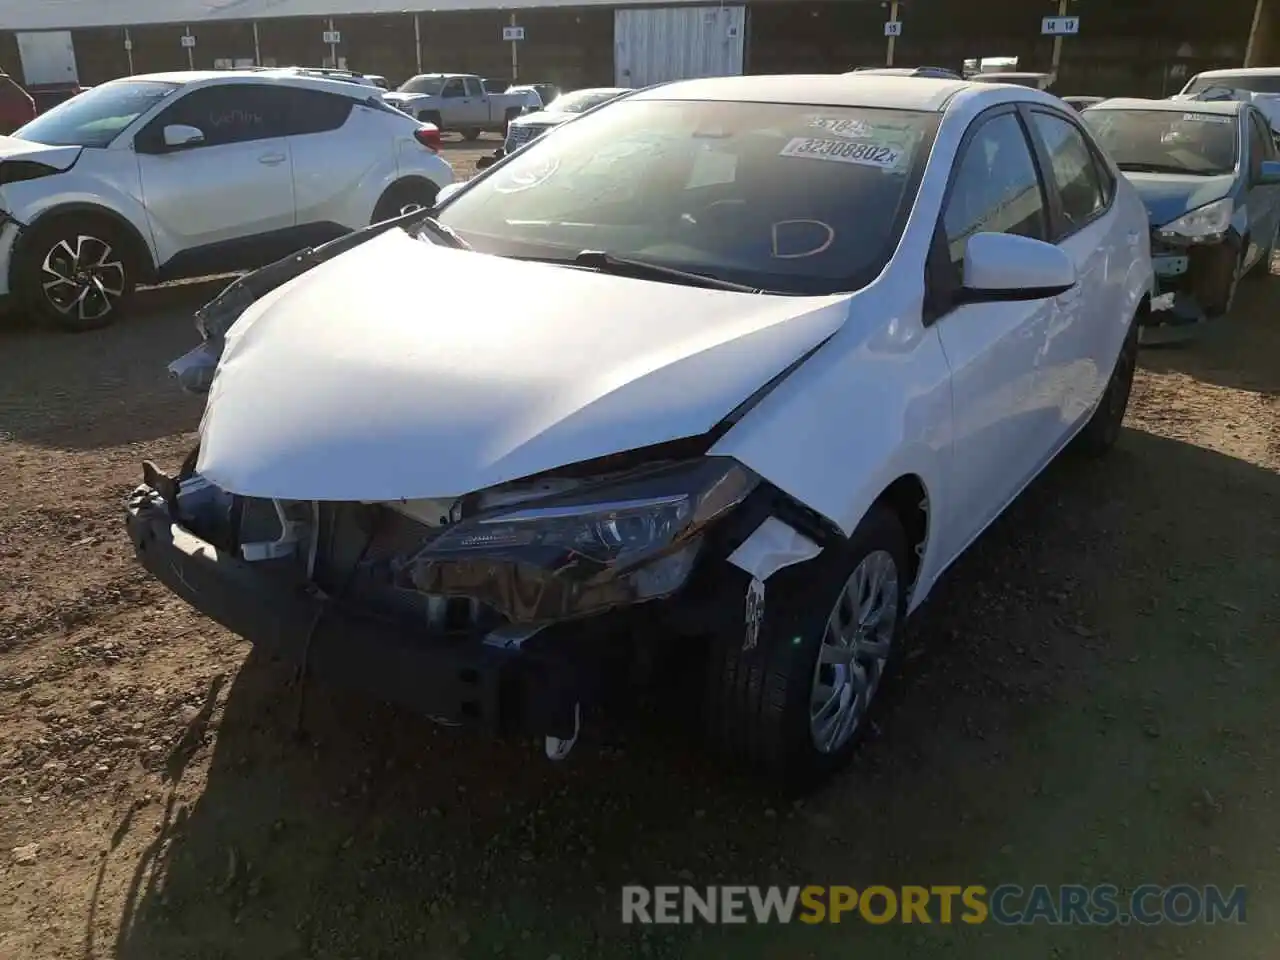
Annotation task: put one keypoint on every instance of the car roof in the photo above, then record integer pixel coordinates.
(573, 93)
(835, 90)
(1009, 73)
(1241, 72)
(937, 72)
(1224, 107)
(287, 76)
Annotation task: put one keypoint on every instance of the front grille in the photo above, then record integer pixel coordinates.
(519, 136)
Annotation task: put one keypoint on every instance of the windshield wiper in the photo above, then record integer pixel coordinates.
(1137, 167)
(640, 269)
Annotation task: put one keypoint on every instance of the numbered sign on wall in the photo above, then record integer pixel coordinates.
(512, 33)
(1060, 26)
(332, 36)
(188, 41)
(893, 28)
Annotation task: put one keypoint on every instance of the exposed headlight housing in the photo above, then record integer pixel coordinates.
(624, 541)
(1207, 224)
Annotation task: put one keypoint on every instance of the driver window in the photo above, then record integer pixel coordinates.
(1266, 135)
(996, 188)
(233, 113)
(453, 88)
(1257, 150)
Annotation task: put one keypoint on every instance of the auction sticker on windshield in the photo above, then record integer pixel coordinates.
(842, 127)
(1207, 118)
(844, 151)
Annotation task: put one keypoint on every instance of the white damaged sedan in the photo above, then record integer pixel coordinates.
(759, 358)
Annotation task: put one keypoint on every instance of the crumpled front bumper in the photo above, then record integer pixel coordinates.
(503, 690)
(1192, 287)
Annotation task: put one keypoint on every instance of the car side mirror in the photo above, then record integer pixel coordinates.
(1269, 175)
(178, 135)
(1003, 267)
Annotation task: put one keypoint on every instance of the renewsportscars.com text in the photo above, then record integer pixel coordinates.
(1006, 905)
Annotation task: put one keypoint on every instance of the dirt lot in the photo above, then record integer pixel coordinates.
(1090, 698)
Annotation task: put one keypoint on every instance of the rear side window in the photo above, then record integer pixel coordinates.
(312, 111)
(996, 188)
(474, 88)
(1073, 169)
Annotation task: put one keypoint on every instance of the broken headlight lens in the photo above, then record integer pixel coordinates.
(1207, 224)
(626, 540)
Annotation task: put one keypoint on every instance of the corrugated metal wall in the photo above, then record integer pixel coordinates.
(677, 43)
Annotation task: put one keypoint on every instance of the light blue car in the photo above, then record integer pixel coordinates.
(1209, 174)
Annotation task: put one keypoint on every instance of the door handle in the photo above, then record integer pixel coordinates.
(271, 159)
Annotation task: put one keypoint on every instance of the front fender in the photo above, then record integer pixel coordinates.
(867, 409)
(30, 201)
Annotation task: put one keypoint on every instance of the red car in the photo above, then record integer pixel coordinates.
(16, 105)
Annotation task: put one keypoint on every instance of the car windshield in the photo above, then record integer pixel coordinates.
(1236, 81)
(1166, 141)
(430, 83)
(780, 197)
(580, 101)
(97, 116)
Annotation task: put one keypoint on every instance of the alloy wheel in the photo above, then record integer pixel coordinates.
(82, 279)
(856, 645)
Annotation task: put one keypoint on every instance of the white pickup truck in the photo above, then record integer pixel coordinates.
(459, 102)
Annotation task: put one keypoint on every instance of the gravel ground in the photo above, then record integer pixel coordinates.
(1089, 698)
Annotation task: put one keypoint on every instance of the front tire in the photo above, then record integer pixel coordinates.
(794, 703)
(1102, 431)
(75, 273)
(471, 134)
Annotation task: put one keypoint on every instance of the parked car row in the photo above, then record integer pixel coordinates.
(786, 346)
(165, 176)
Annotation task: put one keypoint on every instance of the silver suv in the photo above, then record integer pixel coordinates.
(168, 176)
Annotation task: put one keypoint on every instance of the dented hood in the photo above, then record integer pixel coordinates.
(407, 370)
(60, 158)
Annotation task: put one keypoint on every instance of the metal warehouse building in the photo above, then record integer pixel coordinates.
(1133, 46)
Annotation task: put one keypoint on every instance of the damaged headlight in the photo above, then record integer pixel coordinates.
(1207, 224)
(624, 541)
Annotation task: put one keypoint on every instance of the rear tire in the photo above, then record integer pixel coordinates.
(76, 272)
(406, 193)
(1103, 429)
(471, 134)
(761, 696)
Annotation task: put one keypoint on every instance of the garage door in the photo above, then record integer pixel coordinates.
(47, 57)
(677, 43)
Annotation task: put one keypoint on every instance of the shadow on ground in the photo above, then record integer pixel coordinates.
(1226, 358)
(1028, 744)
(48, 380)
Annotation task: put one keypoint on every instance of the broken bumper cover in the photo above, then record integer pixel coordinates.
(1192, 287)
(462, 680)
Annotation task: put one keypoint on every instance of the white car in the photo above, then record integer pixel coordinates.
(166, 176)
(1038, 81)
(1257, 85)
(528, 127)
(786, 346)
